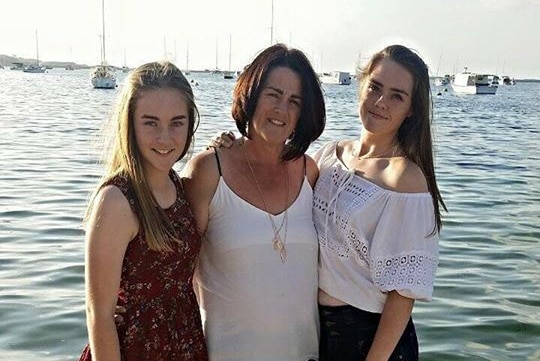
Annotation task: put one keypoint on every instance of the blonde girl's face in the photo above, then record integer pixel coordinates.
(161, 122)
(386, 98)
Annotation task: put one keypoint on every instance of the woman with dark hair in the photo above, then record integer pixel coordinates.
(141, 238)
(256, 279)
(376, 209)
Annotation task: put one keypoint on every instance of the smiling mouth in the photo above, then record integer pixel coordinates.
(277, 122)
(377, 115)
(163, 151)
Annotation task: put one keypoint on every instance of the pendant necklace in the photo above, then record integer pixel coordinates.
(277, 241)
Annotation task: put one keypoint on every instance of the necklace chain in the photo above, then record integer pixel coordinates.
(386, 154)
(277, 241)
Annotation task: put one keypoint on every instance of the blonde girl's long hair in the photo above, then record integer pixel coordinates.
(123, 157)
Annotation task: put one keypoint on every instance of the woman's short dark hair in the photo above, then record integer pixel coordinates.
(252, 80)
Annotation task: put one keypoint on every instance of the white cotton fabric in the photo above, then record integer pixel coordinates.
(372, 240)
(253, 306)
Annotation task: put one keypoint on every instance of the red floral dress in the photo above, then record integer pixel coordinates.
(162, 321)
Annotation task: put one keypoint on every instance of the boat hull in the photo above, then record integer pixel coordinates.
(34, 69)
(474, 89)
(104, 82)
(336, 77)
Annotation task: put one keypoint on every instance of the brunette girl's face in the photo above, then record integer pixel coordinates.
(386, 98)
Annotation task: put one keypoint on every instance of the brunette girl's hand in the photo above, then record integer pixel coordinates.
(223, 140)
(118, 311)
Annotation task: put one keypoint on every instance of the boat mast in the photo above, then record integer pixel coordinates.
(187, 58)
(164, 48)
(216, 54)
(230, 51)
(37, 50)
(103, 32)
(438, 64)
(272, 26)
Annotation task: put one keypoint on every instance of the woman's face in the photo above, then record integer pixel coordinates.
(161, 122)
(386, 98)
(278, 107)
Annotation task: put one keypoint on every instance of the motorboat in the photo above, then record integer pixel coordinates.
(336, 77)
(473, 83)
(506, 80)
(442, 81)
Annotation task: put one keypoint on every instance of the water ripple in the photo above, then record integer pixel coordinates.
(487, 293)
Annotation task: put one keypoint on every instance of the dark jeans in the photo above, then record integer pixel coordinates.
(347, 333)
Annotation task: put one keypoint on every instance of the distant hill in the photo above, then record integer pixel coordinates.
(6, 60)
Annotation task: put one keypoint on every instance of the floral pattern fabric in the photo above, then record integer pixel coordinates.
(162, 321)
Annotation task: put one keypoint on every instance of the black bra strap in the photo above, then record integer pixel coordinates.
(218, 163)
(305, 167)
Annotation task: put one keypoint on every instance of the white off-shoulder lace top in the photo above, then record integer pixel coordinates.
(372, 240)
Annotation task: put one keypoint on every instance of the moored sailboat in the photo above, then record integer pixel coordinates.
(103, 76)
(35, 68)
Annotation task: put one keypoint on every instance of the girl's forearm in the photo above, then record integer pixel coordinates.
(395, 316)
(103, 338)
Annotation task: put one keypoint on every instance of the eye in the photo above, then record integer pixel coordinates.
(373, 87)
(177, 123)
(272, 94)
(150, 123)
(296, 102)
(397, 96)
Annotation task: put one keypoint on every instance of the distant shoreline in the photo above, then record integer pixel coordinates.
(9, 61)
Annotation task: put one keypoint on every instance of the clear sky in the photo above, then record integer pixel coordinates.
(501, 36)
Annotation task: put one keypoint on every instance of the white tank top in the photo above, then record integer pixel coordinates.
(253, 306)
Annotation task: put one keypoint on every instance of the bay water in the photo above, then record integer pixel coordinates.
(486, 302)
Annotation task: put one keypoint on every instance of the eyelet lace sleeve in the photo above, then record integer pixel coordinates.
(404, 251)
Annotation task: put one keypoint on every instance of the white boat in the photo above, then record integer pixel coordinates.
(336, 77)
(103, 76)
(442, 81)
(493, 79)
(505, 80)
(37, 67)
(17, 66)
(473, 83)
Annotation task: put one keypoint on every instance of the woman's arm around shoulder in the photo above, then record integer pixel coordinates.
(200, 177)
(110, 228)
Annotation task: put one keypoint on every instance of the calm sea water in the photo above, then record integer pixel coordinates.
(487, 298)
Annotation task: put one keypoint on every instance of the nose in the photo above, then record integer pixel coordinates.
(282, 105)
(381, 102)
(163, 135)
